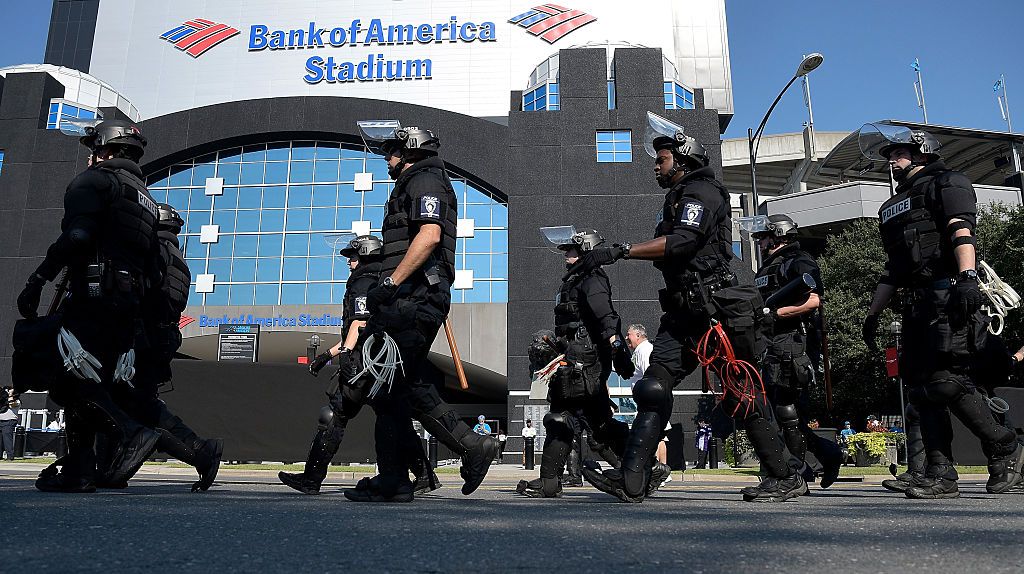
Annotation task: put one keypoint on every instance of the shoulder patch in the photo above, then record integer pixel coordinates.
(430, 207)
(692, 214)
(360, 306)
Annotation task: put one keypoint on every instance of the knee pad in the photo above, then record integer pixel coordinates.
(560, 424)
(944, 391)
(651, 392)
(787, 415)
(326, 418)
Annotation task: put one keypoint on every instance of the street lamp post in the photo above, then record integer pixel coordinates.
(807, 65)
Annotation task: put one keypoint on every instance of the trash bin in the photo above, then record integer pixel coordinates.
(528, 449)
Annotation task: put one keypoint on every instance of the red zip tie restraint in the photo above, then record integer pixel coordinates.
(738, 377)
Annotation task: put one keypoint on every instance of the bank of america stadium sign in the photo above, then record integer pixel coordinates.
(197, 36)
(551, 22)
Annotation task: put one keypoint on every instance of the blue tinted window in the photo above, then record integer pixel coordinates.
(272, 220)
(298, 219)
(293, 294)
(296, 244)
(249, 198)
(319, 269)
(252, 173)
(227, 200)
(303, 150)
(318, 293)
(267, 294)
(223, 246)
(225, 219)
(325, 195)
(246, 245)
(300, 196)
(274, 196)
(276, 173)
(256, 153)
(614, 146)
(243, 270)
(220, 268)
(1, 161)
(230, 172)
(178, 198)
(325, 171)
(219, 296)
(270, 245)
(294, 268)
(322, 219)
(268, 269)
(278, 151)
(242, 294)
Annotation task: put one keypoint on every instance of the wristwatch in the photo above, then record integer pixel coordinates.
(968, 275)
(625, 250)
(389, 282)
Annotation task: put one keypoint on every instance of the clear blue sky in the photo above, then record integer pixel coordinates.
(868, 47)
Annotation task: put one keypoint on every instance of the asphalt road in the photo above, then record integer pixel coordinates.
(247, 524)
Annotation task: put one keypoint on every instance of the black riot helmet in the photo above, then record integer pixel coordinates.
(877, 140)
(582, 241)
(778, 226)
(114, 133)
(364, 247)
(169, 219)
(664, 134)
(412, 139)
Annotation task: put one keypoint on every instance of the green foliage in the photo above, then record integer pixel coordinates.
(872, 443)
(743, 444)
(1001, 245)
(850, 267)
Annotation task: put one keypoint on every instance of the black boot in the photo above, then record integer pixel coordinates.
(540, 488)
(659, 472)
(477, 451)
(325, 444)
(929, 487)
(381, 489)
(426, 482)
(61, 482)
(629, 483)
(132, 454)
(904, 481)
(773, 489)
(573, 473)
(208, 463)
(1005, 471)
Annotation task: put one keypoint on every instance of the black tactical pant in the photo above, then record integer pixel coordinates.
(413, 321)
(936, 362)
(106, 328)
(672, 359)
(787, 372)
(566, 422)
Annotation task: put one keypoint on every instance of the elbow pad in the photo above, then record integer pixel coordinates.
(80, 239)
(679, 246)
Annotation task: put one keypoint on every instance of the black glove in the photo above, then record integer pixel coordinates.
(596, 258)
(622, 361)
(349, 366)
(28, 300)
(380, 295)
(558, 343)
(320, 362)
(870, 331)
(969, 296)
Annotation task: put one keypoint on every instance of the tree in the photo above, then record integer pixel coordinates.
(850, 267)
(1001, 245)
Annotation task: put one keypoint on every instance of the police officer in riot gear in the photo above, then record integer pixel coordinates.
(410, 305)
(162, 309)
(786, 367)
(588, 332)
(927, 230)
(344, 404)
(108, 243)
(692, 248)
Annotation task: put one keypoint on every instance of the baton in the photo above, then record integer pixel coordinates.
(456, 358)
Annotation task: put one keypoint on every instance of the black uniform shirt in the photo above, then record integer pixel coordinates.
(696, 222)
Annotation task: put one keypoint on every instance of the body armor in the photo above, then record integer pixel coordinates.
(396, 229)
(130, 226)
(919, 252)
(354, 304)
(715, 254)
(177, 277)
(774, 275)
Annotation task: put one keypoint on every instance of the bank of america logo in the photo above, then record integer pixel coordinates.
(185, 321)
(551, 22)
(197, 36)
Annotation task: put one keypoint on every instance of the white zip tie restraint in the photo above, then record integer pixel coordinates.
(997, 405)
(1002, 297)
(381, 367)
(77, 360)
(125, 370)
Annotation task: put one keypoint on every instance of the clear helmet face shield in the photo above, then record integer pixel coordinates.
(873, 137)
(339, 241)
(376, 132)
(657, 127)
(558, 236)
(752, 225)
(79, 128)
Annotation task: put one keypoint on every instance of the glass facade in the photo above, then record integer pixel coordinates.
(61, 110)
(677, 97)
(279, 209)
(1, 162)
(543, 97)
(614, 146)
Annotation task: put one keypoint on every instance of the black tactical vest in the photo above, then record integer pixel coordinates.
(712, 257)
(569, 320)
(129, 232)
(354, 303)
(397, 232)
(911, 237)
(774, 275)
(177, 277)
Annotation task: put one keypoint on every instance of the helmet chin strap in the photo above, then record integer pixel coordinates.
(665, 181)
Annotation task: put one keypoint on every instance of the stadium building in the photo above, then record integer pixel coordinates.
(250, 108)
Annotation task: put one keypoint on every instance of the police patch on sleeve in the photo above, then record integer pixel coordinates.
(361, 306)
(692, 214)
(430, 207)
